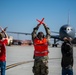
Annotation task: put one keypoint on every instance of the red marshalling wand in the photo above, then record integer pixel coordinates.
(40, 21)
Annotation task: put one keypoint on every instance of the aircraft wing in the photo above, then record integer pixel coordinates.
(19, 33)
(54, 32)
(56, 37)
(52, 36)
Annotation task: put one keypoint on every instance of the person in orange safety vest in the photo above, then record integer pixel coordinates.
(41, 42)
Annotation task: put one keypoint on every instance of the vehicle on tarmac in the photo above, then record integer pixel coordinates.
(10, 40)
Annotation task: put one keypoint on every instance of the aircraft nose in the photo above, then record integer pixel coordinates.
(66, 32)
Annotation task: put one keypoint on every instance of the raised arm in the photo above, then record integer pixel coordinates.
(48, 33)
(6, 36)
(4, 32)
(34, 33)
(5, 41)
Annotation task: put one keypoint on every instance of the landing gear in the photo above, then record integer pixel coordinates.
(54, 45)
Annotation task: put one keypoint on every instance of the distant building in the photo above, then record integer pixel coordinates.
(22, 42)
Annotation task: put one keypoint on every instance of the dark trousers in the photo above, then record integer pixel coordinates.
(2, 67)
(67, 71)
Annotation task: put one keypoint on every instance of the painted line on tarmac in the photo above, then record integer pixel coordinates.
(24, 62)
(20, 63)
(17, 64)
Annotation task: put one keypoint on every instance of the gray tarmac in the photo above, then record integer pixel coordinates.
(22, 59)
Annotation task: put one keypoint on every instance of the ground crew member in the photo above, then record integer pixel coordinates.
(67, 57)
(40, 43)
(3, 42)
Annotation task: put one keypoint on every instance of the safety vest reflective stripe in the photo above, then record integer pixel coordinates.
(40, 44)
(41, 52)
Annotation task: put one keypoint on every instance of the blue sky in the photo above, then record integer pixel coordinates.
(21, 15)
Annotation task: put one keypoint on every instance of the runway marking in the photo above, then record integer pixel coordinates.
(17, 64)
(24, 62)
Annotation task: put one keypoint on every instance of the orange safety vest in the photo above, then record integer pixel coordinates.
(41, 47)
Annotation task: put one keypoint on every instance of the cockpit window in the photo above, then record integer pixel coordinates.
(69, 28)
(63, 28)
